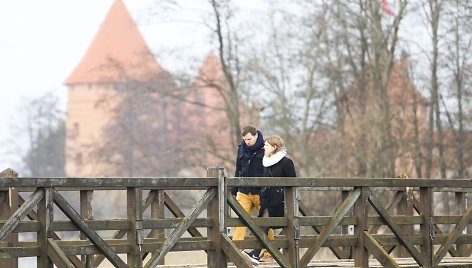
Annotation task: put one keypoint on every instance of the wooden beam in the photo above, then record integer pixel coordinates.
(158, 212)
(435, 227)
(304, 211)
(86, 212)
(234, 253)
(45, 218)
(121, 233)
(154, 196)
(217, 213)
(396, 199)
(70, 212)
(451, 238)
(292, 232)
(18, 215)
(57, 255)
(9, 203)
(107, 183)
(182, 228)
(111, 183)
(135, 233)
(257, 231)
(427, 227)
(461, 202)
(32, 215)
(361, 212)
(377, 250)
(338, 215)
(397, 231)
(175, 210)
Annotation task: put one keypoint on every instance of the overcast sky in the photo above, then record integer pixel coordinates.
(41, 42)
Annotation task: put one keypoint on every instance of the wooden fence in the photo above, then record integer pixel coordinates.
(374, 219)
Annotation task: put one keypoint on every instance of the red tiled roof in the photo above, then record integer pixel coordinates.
(118, 49)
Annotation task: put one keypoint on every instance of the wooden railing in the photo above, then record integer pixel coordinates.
(373, 219)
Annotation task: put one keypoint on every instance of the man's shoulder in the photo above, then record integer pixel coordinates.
(239, 152)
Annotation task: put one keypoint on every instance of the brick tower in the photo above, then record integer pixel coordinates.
(117, 53)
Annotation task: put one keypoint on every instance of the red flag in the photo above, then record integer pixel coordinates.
(386, 9)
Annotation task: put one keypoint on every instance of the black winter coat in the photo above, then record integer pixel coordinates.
(272, 198)
(249, 166)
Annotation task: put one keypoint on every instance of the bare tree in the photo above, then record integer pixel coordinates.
(458, 63)
(45, 128)
(143, 134)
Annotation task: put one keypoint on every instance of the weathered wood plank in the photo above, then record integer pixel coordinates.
(292, 231)
(349, 182)
(35, 227)
(460, 199)
(395, 229)
(396, 199)
(92, 183)
(342, 210)
(77, 247)
(234, 253)
(361, 255)
(57, 256)
(257, 231)
(427, 228)
(135, 233)
(451, 238)
(377, 250)
(175, 210)
(158, 212)
(70, 212)
(305, 222)
(45, 218)
(216, 211)
(9, 203)
(100, 183)
(177, 233)
(86, 212)
(18, 215)
(434, 221)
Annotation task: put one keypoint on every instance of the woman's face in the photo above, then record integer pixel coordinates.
(269, 149)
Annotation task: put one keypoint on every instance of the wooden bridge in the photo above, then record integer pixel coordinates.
(375, 223)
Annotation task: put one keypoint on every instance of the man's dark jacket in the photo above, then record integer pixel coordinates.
(249, 165)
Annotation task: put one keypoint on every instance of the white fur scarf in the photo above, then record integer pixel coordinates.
(268, 161)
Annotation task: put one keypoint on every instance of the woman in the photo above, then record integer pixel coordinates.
(276, 164)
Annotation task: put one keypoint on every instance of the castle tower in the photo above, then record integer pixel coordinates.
(117, 54)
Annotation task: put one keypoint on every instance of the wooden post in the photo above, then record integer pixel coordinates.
(349, 229)
(361, 255)
(461, 207)
(8, 205)
(427, 227)
(217, 211)
(86, 212)
(402, 210)
(158, 212)
(292, 232)
(45, 218)
(135, 232)
(410, 210)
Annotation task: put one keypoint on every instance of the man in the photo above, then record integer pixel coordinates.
(249, 164)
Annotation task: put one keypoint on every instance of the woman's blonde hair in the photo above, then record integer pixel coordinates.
(275, 141)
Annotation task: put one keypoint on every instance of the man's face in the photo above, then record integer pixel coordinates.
(250, 139)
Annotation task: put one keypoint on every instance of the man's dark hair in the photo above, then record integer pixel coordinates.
(248, 129)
